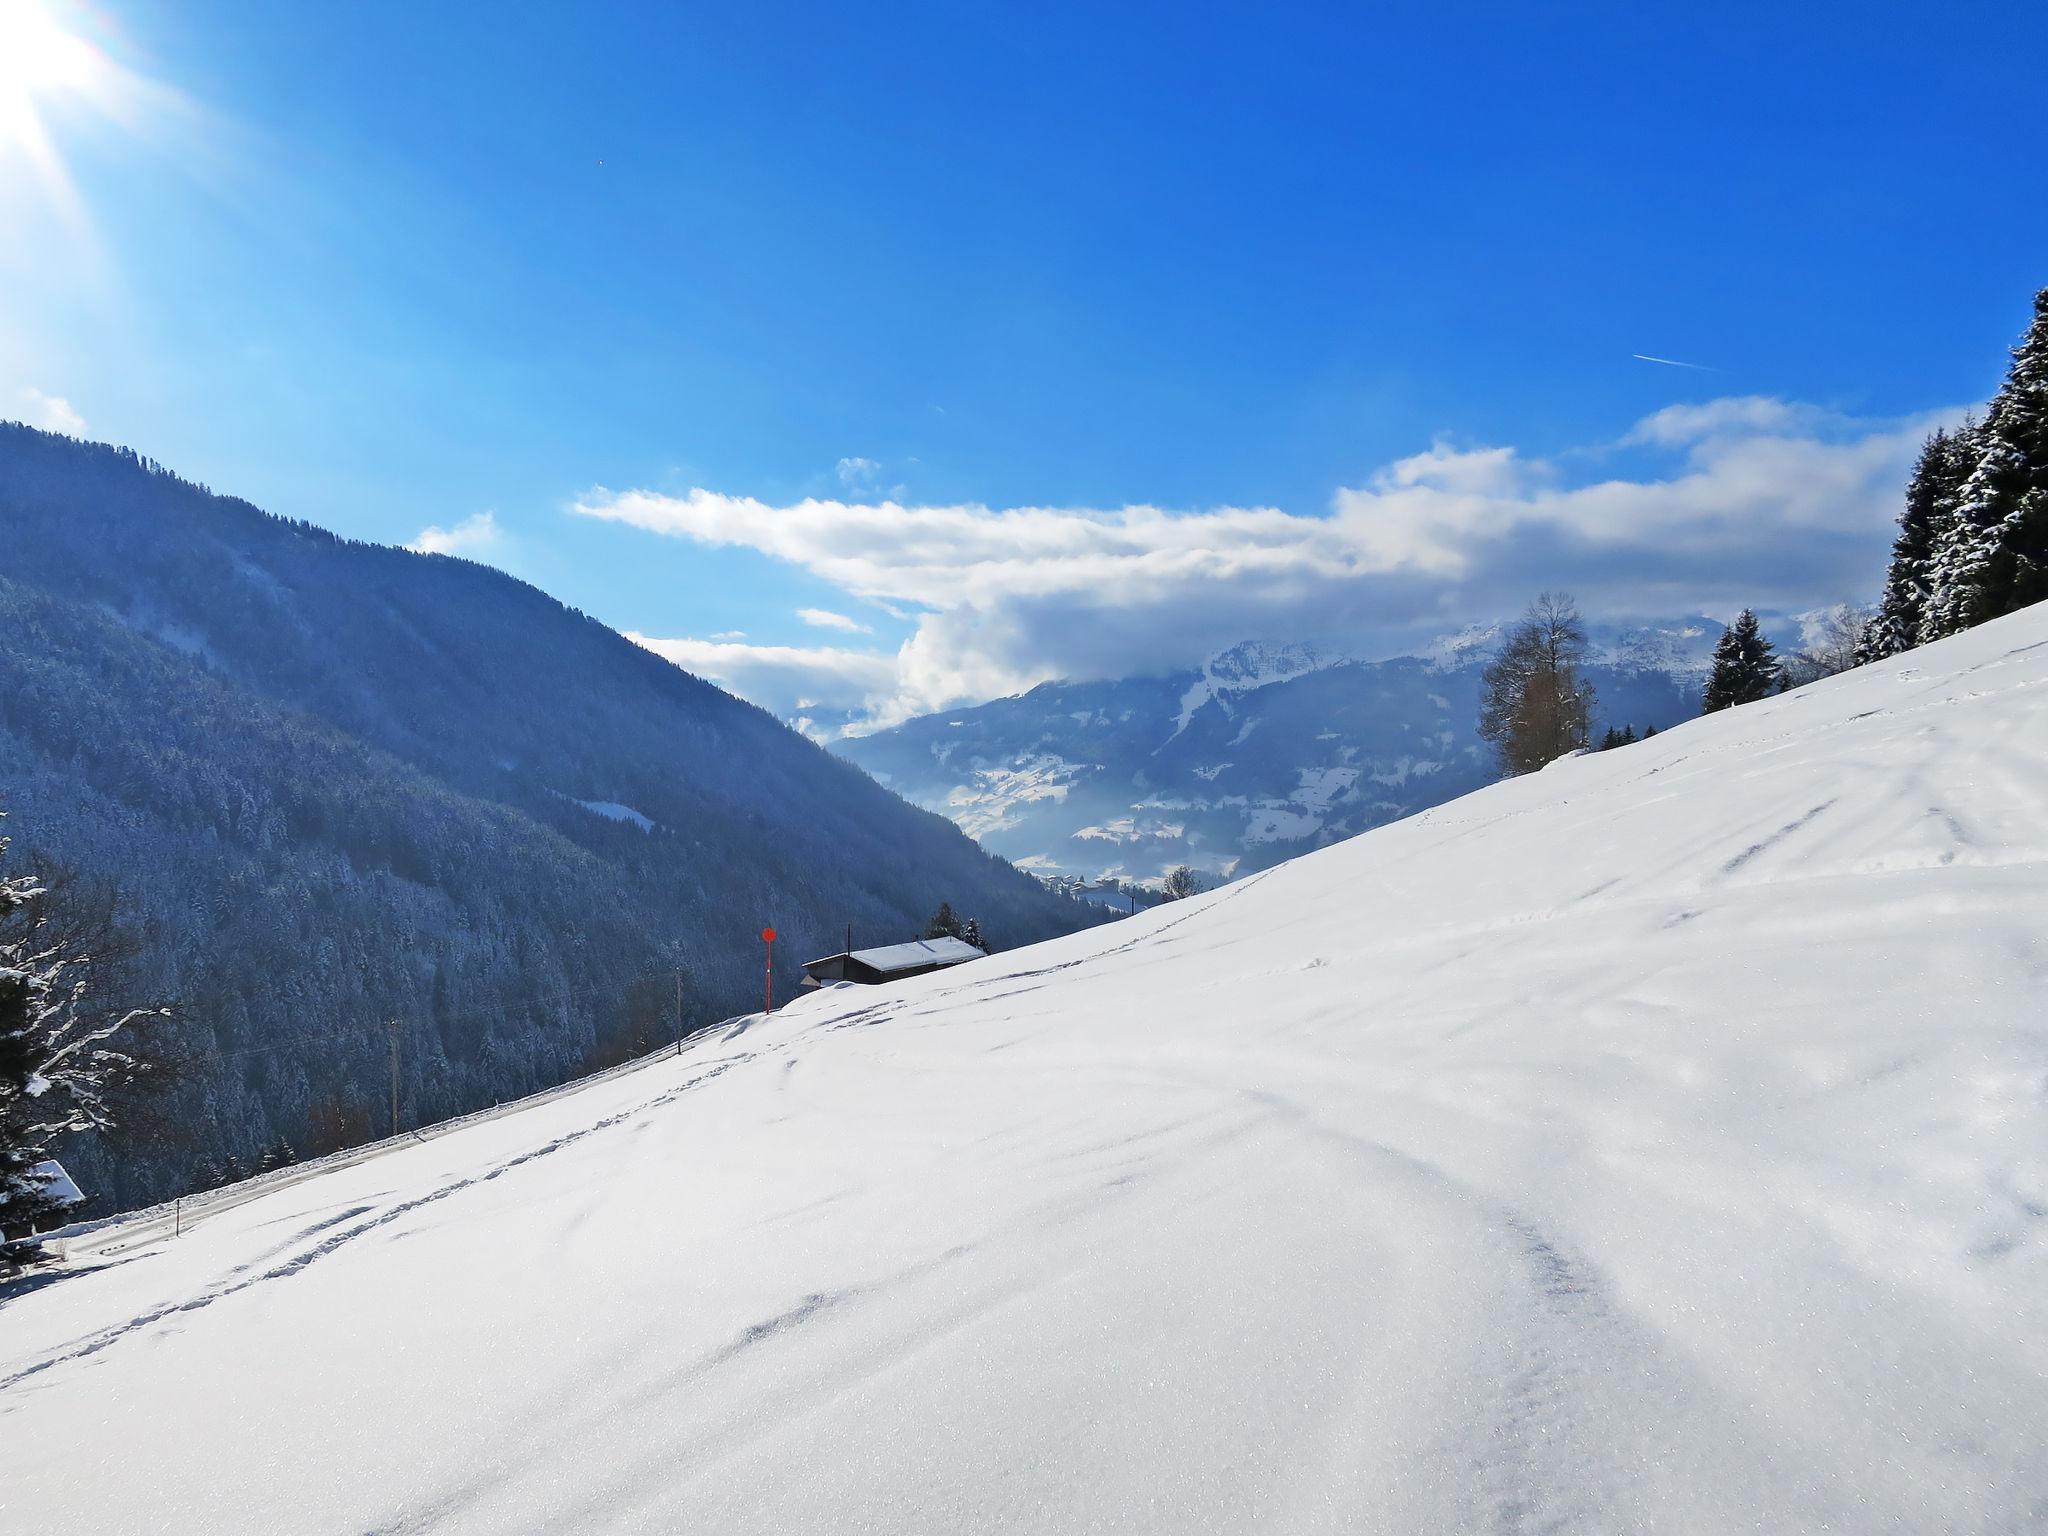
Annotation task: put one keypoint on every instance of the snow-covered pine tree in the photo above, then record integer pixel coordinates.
(1992, 557)
(972, 933)
(57, 1065)
(1930, 500)
(1745, 666)
(23, 990)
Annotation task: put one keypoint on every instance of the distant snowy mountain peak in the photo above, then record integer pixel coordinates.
(1472, 643)
(1264, 751)
(1255, 663)
(1680, 648)
(1684, 650)
(1246, 667)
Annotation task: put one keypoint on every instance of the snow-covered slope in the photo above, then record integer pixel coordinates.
(1658, 1142)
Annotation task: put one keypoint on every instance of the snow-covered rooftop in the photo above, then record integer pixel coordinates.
(918, 952)
(56, 1183)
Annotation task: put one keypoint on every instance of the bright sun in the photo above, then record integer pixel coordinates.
(43, 63)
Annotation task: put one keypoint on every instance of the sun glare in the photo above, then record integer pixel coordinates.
(45, 63)
(39, 58)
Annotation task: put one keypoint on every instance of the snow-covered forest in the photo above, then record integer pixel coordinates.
(337, 785)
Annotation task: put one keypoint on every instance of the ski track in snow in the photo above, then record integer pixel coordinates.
(241, 1280)
(1656, 1143)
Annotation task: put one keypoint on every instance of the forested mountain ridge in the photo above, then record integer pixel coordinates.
(341, 783)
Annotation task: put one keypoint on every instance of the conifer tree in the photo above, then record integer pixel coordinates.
(23, 994)
(58, 1066)
(1950, 541)
(1992, 557)
(1945, 461)
(1745, 666)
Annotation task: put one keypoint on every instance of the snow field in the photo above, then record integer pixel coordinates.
(1657, 1142)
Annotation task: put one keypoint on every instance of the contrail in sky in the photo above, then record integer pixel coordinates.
(1670, 362)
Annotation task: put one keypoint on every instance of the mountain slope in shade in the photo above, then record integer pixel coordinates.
(342, 783)
(1658, 1142)
(1264, 753)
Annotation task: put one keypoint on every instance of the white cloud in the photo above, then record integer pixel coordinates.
(1754, 501)
(470, 537)
(856, 471)
(785, 679)
(1735, 415)
(53, 413)
(730, 634)
(825, 618)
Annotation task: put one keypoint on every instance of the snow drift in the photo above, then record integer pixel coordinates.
(1657, 1142)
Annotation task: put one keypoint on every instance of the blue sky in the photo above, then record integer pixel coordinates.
(1361, 286)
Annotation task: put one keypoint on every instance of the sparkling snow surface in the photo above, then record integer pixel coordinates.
(1659, 1142)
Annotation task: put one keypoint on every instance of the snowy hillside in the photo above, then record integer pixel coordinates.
(1658, 1142)
(1263, 753)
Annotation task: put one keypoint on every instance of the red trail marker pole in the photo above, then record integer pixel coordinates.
(768, 983)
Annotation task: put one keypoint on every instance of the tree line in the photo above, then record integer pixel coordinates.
(1972, 546)
(1973, 538)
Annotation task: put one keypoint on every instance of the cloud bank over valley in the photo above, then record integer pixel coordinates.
(1699, 508)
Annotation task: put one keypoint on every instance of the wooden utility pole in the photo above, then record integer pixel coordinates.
(768, 980)
(392, 1026)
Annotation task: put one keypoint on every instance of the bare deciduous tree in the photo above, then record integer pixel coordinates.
(1836, 646)
(1535, 703)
